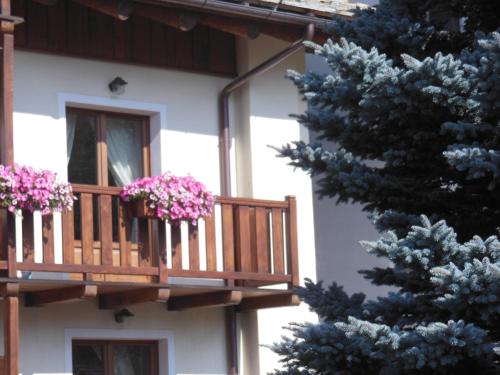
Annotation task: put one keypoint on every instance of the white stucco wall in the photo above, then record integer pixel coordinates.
(190, 138)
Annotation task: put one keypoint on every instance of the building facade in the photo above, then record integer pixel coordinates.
(104, 92)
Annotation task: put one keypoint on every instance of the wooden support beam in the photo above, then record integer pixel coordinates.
(235, 26)
(131, 297)
(46, 2)
(264, 302)
(9, 289)
(213, 299)
(45, 297)
(6, 83)
(10, 292)
(181, 20)
(119, 9)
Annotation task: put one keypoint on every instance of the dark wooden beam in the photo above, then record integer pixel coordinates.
(119, 9)
(10, 292)
(6, 83)
(9, 289)
(45, 297)
(46, 2)
(212, 299)
(280, 300)
(177, 19)
(235, 26)
(131, 297)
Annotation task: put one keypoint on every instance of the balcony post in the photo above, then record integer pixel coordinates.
(7, 23)
(10, 293)
(292, 242)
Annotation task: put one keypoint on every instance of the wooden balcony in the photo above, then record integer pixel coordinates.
(245, 254)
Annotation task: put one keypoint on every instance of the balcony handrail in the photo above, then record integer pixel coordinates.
(113, 190)
(258, 239)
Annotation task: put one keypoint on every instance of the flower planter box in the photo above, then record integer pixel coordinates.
(141, 210)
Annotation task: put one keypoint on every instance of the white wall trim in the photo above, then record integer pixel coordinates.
(156, 111)
(165, 339)
(111, 104)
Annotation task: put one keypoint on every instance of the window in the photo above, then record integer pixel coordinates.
(105, 148)
(115, 357)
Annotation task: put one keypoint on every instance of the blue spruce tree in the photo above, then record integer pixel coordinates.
(414, 86)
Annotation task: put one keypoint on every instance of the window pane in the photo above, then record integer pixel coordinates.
(124, 140)
(82, 148)
(88, 359)
(130, 359)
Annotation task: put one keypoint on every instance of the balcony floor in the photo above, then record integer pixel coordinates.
(113, 295)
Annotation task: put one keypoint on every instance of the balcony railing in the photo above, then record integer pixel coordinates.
(246, 242)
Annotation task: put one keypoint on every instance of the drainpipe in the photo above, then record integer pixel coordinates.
(225, 146)
(224, 138)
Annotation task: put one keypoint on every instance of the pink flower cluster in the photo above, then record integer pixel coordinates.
(23, 188)
(173, 198)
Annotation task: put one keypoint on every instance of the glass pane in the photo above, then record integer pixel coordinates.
(130, 359)
(82, 148)
(124, 140)
(88, 359)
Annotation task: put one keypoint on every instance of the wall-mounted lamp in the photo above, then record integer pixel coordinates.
(117, 86)
(122, 314)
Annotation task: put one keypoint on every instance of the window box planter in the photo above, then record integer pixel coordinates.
(141, 210)
(169, 198)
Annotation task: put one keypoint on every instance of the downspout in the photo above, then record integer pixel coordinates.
(224, 138)
(225, 148)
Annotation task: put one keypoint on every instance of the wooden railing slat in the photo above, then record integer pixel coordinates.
(28, 238)
(124, 232)
(162, 253)
(228, 237)
(68, 237)
(292, 241)
(87, 228)
(106, 229)
(278, 248)
(11, 246)
(144, 243)
(3, 234)
(242, 229)
(194, 248)
(210, 247)
(48, 238)
(176, 247)
(262, 241)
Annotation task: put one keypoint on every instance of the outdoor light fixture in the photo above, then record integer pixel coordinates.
(117, 86)
(122, 314)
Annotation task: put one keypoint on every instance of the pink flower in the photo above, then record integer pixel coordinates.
(173, 198)
(25, 188)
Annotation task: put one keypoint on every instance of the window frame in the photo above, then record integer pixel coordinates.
(101, 144)
(108, 351)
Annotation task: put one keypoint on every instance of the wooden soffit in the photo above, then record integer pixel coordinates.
(186, 19)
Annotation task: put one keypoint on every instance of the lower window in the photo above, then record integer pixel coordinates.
(115, 357)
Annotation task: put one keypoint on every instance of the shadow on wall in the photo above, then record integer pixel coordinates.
(339, 229)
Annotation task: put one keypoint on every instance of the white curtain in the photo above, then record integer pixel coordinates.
(124, 151)
(70, 134)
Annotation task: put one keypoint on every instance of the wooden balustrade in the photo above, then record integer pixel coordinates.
(246, 242)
